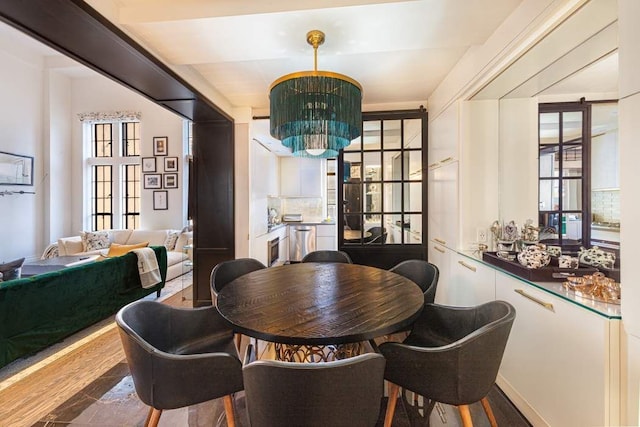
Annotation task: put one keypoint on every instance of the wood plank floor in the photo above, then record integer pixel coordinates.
(90, 385)
(33, 392)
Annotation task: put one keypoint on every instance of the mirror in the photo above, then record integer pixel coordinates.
(576, 59)
(15, 169)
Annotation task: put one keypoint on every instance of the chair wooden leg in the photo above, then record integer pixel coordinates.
(465, 415)
(228, 410)
(238, 341)
(489, 412)
(391, 403)
(153, 417)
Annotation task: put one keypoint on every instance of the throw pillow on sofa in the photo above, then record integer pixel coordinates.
(118, 250)
(11, 270)
(172, 238)
(92, 240)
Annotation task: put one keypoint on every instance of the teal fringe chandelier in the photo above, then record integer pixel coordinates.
(315, 113)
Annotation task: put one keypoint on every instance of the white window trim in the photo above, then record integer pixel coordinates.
(116, 162)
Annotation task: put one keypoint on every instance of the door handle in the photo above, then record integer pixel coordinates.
(470, 267)
(439, 249)
(546, 305)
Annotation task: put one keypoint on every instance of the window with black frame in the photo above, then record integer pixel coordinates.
(382, 188)
(115, 195)
(564, 183)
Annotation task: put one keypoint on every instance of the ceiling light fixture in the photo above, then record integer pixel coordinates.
(315, 113)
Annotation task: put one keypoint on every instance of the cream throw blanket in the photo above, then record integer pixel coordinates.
(148, 267)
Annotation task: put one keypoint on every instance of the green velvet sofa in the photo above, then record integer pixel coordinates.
(41, 310)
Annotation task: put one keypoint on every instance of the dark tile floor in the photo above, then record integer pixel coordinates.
(111, 401)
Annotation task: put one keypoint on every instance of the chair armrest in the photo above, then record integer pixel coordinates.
(249, 355)
(418, 368)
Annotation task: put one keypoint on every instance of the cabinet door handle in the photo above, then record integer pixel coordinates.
(448, 159)
(470, 267)
(433, 165)
(546, 305)
(442, 242)
(439, 249)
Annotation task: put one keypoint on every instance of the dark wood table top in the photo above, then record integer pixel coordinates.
(320, 303)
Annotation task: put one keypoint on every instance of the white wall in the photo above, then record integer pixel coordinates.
(56, 155)
(39, 119)
(629, 129)
(21, 132)
(99, 94)
(242, 206)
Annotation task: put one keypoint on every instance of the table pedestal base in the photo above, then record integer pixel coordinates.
(317, 353)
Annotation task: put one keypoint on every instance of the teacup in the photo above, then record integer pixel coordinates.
(566, 261)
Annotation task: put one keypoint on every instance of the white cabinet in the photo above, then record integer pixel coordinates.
(470, 282)
(264, 171)
(301, 177)
(439, 256)
(463, 172)
(443, 204)
(561, 363)
(283, 249)
(326, 237)
(629, 54)
(444, 136)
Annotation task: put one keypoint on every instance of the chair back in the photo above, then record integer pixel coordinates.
(378, 235)
(423, 273)
(169, 359)
(227, 271)
(453, 353)
(339, 393)
(142, 332)
(327, 256)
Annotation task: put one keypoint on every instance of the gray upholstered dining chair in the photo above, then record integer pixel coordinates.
(452, 356)
(227, 271)
(179, 357)
(378, 236)
(327, 256)
(423, 273)
(345, 392)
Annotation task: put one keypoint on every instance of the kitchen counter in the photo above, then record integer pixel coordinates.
(610, 311)
(311, 222)
(605, 228)
(274, 227)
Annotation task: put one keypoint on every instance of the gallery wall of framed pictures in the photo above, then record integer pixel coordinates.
(160, 172)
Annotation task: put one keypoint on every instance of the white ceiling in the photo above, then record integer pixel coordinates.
(398, 50)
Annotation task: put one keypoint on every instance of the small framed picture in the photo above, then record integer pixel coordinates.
(148, 164)
(171, 164)
(170, 180)
(152, 180)
(160, 202)
(160, 146)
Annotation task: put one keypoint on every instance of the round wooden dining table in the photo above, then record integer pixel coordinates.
(319, 304)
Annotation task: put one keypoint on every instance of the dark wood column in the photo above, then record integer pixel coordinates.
(212, 200)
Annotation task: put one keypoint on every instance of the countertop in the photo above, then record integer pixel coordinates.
(319, 222)
(276, 227)
(611, 311)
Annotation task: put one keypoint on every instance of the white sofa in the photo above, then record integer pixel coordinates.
(178, 259)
